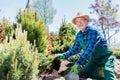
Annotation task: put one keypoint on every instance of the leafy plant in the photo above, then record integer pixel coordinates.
(45, 62)
(8, 27)
(2, 33)
(18, 58)
(65, 40)
(117, 52)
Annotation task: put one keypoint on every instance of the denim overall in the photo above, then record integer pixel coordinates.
(101, 63)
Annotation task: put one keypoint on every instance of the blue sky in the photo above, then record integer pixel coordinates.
(9, 8)
(67, 8)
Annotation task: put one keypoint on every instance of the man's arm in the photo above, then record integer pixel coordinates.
(75, 49)
(92, 43)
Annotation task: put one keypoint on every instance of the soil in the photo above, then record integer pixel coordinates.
(60, 68)
(57, 71)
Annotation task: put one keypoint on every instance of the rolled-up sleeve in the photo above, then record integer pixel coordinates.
(75, 49)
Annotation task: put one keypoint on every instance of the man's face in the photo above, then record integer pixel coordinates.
(81, 23)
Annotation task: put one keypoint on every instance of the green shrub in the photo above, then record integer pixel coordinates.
(45, 62)
(19, 60)
(2, 33)
(8, 27)
(116, 52)
(65, 40)
(31, 22)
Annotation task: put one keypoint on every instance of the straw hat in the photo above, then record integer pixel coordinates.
(80, 15)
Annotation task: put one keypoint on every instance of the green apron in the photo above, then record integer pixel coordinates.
(100, 65)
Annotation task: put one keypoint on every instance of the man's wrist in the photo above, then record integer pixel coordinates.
(79, 65)
(61, 56)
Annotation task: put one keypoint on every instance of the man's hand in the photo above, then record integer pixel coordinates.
(75, 68)
(61, 56)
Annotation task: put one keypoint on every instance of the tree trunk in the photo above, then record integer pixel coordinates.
(103, 31)
(28, 4)
(108, 36)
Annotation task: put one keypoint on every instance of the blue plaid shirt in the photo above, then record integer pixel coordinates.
(93, 38)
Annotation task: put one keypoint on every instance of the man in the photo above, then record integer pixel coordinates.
(100, 59)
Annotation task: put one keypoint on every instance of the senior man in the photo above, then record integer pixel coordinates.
(100, 58)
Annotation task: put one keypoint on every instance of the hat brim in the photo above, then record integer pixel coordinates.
(83, 16)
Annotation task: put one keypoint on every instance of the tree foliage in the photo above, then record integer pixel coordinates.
(18, 58)
(65, 38)
(31, 22)
(107, 16)
(67, 33)
(2, 34)
(46, 10)
(9, 30)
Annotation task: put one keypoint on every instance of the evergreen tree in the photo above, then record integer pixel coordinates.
(31, 22)
(65, 40)
(8, 27)
(67, 34)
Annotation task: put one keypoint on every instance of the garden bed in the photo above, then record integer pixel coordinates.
(59, 73)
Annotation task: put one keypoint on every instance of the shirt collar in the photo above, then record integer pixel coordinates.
(86, 30)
